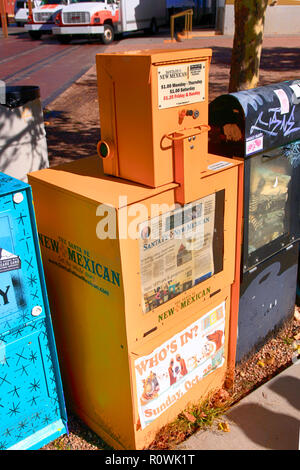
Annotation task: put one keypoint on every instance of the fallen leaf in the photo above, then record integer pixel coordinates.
(224, 426)
(297, 315)
(261, 364)
(270, 359)
(189, 416)
(221, 397)
(297, 337)
(180, 436)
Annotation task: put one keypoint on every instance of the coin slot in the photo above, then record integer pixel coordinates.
(150, 331)
(214, 293)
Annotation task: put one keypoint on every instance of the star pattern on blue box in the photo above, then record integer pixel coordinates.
(30, 399)
(28, 374)
(25, 281)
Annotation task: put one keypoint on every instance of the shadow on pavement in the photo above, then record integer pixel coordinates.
(271, 430)
(288, 387)
(69, 140)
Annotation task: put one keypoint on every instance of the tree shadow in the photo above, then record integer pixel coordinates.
(68, 140)
(277, 65)
(289, 388)
(268, 429)
(280, 59)
(22, 140)
(274, 61)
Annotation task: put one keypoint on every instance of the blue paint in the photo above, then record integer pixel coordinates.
(292, 153)
(32, 409)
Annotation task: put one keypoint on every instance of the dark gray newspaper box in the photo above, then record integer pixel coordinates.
(262, 126)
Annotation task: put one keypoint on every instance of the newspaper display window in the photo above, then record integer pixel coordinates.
(181, 249)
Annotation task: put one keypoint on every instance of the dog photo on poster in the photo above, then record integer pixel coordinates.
(173, 368)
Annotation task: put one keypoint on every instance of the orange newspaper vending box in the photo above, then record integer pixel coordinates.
(141, 285)
(153, 100)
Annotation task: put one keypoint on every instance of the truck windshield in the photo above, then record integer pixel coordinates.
(53, 2)
(87, 1)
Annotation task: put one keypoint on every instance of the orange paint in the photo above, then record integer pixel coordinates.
(138, 110)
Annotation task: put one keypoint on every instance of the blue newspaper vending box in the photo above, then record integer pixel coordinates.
(32, 409)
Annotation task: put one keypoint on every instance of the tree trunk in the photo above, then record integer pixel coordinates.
(247, 43)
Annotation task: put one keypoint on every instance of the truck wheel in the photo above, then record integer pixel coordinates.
(108, 36)
(35, 35)
(64, 38)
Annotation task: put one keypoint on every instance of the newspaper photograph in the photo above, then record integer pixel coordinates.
(176, 251)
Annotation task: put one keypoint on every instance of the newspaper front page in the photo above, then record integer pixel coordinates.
(176, 251)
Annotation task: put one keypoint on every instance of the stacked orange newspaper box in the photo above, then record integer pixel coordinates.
(140, 256)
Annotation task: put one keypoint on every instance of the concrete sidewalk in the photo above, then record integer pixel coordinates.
(267, 419)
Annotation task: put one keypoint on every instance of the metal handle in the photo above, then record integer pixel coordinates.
(289, 247)
(184, 135)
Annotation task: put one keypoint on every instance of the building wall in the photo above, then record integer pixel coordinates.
(281, 18)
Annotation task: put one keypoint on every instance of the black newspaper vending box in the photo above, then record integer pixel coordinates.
(262, 127)
(298, 283)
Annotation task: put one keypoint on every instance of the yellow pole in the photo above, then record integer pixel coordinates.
(187, 21)
(172, 27)
(3, 18)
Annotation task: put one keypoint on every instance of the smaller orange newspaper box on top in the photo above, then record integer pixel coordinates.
(142, 256)
(152, 103)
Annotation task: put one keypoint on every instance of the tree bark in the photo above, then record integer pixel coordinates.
(247, 44)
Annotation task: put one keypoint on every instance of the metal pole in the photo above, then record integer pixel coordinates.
(3, 18)
(187, 21)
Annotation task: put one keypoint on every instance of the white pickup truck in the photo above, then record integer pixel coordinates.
(42, 19)
(108, 17)
(22, 10)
